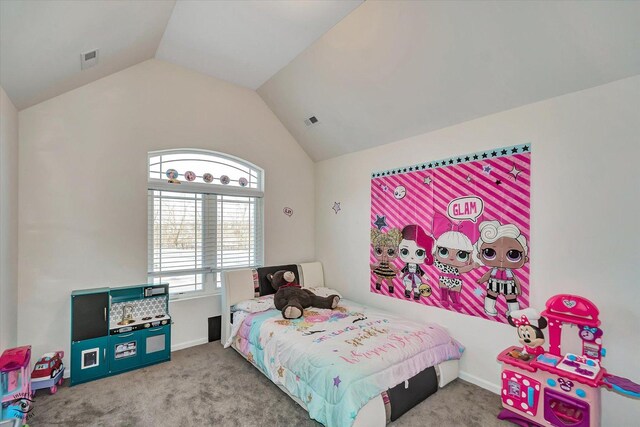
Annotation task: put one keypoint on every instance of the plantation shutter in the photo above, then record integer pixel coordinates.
(196, 230)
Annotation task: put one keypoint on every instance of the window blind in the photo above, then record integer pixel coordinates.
(193, 237)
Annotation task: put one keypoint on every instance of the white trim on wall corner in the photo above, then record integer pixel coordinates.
(187, 344)
(494, 388)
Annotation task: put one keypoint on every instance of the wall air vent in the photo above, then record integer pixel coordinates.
(88, 59)
(311, 121)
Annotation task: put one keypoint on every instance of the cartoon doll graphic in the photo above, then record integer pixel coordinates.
(415, 249)
(453, 256)
(385, 250)
(504, 249)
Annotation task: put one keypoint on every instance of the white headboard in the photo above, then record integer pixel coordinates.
(237, 285)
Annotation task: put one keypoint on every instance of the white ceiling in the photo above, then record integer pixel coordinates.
(395, 69)
(246, 42)
(41, 42)
(388, 70)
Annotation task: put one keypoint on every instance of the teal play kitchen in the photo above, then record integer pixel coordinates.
(115, 330)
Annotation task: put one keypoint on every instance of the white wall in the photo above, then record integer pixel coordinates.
(585, 231)
(8, 222)
(83, 187)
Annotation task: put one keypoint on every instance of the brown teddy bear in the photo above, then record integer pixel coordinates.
(291, 299)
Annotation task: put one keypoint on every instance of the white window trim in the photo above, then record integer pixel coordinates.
(196, 187)
(203, 188)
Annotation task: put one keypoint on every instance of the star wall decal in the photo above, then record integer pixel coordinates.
(336, 207)
(428, 180)
(380, 222)
(498, 182)
(337, 381)
(514, 172)
(478, 292)
(468, 178)
(487, 169)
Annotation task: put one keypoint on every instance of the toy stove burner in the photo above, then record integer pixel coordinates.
(579, 365)
(147, 318)
(160, 316)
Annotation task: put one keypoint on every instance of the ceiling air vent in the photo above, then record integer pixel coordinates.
(311, 121)
(88, 59)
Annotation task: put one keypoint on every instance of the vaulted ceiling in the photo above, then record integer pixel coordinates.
(391, 70)
(41, 43)
(371, 72)
(244, 42)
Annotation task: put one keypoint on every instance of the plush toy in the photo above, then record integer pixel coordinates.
(530, 325)
(291, 299)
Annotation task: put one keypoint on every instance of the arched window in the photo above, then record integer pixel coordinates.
(205, 216)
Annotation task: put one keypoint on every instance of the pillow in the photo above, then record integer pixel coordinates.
(255, 305)
(324, 292)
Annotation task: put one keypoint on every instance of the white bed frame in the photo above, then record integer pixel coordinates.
(237, 285)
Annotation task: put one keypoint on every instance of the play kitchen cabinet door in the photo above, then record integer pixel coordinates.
(156, 345)
(90, 316)
(89, 360)
(124, 351)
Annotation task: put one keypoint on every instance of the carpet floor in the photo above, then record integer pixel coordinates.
(211, 386)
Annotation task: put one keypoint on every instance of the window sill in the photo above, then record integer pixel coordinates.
(187, 297)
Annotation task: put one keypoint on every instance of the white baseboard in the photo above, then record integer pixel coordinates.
(181, 346)
(187, 344)
(494, 388)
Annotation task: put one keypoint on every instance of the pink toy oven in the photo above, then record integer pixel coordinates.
(15, 380)
(560, 389)
(556, 389)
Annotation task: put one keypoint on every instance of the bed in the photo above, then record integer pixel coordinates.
(353, 365)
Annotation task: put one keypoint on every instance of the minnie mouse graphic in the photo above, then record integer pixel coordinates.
(530, 325)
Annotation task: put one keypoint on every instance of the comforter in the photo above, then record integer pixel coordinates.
(335, 361)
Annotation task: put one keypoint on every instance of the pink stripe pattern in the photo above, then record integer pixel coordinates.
(415, 194)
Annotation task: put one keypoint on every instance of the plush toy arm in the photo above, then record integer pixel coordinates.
(280, 300)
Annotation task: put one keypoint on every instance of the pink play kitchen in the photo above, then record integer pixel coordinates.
(543, 388)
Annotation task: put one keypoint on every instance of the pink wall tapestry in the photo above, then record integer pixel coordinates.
(454, 233)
